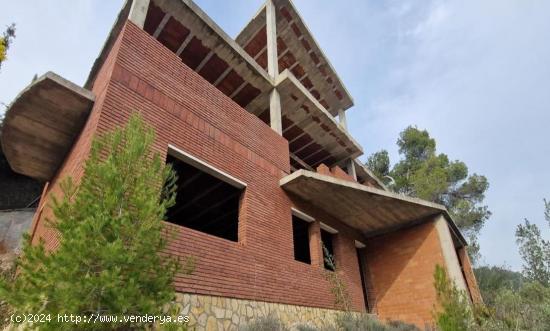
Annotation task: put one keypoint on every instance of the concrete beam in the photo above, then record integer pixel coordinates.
(342, 119)
(161, 26)
(271, 29)
(138, 12)
(351, 169)
(299, 161)
(275, 118)
(449, 253)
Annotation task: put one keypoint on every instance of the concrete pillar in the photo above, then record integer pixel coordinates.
(454, 272)
(271, 29)
(351, 169)
(342, 119)
(275, 119)
(138, 12)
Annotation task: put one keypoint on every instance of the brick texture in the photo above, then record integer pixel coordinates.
(401, 266)
(141, 75)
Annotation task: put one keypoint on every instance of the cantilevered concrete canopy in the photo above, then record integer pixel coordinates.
(298, 52)
(330, 143)
(370, 210)
(41, 124)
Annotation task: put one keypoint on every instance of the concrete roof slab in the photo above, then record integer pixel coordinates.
(371, 210)
(294, 33)
(306, 112)
(41, 124)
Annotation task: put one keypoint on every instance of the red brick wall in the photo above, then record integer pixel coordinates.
(401, 266)
(335, 172)
(142, 75)
(186, 111)
(469, 275)
(341, 174)
(73, 164)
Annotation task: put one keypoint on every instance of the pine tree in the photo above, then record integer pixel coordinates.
(110, 256)
(424, 173)
(535, 250)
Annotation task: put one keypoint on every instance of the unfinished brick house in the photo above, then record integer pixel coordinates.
(256, 128)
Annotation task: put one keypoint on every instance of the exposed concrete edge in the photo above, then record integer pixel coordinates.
(12, 112)
(438, 208)
(255, 16)
(226, 38)
(360, 187)
(449, 253)
(316, 45)
(287, 75)
(371, 174)
(57, 79)
(108, 44)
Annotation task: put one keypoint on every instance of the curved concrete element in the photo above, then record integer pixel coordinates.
(41, 124)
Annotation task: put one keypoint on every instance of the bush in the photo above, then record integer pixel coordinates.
(454, 313)
(109, 260)
(268, 323)
(353, 322)
(344, 322)
(525, 309)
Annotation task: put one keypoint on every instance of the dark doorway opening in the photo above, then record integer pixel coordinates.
(300, 235)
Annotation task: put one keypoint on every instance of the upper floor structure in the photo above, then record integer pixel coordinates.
(255, 127)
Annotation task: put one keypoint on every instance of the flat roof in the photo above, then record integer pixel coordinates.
(371, 210)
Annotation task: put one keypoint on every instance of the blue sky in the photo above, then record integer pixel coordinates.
(475, 74)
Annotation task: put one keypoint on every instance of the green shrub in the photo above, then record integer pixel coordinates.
(268, 323)
(525, 309)
(401, 326)
(454, 313)
(307, 328)
(109, 259)
(360, 322)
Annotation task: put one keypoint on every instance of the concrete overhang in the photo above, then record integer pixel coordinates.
(182, 27)
(305, 112)
(41, 124)
(298, 51)
(367, 176)
(370, 210)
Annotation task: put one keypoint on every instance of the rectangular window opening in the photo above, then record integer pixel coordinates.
(329, 260)
(204, 202)
(300, 235)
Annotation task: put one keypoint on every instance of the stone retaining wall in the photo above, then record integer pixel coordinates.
(218, 313)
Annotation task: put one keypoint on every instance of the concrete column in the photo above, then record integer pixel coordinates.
(138, 12)
(275, 119)
(271, 29)
(351, 169)
(342, 119)
(448, 250)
